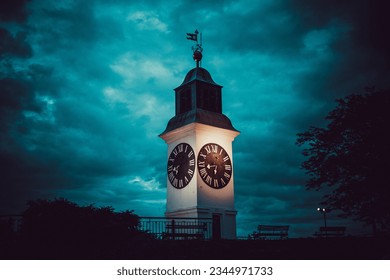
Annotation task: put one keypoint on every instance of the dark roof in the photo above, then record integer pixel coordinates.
(200, 74)
(199, 116)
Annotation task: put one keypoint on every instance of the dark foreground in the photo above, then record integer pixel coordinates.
(292, 249)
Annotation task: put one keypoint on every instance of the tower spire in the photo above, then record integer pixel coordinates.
(197, 48)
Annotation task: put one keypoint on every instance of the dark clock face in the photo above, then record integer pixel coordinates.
(214, 165)
(181, 165)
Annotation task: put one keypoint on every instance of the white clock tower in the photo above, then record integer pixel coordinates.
(200, 177)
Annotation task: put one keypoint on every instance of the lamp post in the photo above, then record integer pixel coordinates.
(323, 211)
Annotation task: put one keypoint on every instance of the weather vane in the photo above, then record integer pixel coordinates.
(197, 48)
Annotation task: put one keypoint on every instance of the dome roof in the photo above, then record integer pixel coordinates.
(199, 74)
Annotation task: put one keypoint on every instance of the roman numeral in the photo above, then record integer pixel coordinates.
(216, 183)
(180, 148)
(170, 168)
(190, 154)
(208, 149)
(190, 172)
(171, 176)
(201, 164)
(175, 152)
(174, 183)
(181, 183)
(227, 176)
(223, 182)
(214, 148)
(208, 180)
(226, 158)
(186, 180)
(192, 162)
(185, 150)
(228, 167)
(203, 172)
(202, 155)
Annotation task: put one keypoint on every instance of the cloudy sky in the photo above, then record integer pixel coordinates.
(87, 86)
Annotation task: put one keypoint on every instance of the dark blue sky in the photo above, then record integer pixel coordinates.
(86, 87)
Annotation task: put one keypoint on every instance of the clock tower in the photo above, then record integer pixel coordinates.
(200, 177)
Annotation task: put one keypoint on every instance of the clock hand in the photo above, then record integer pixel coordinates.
(211, 166)
(176, 169)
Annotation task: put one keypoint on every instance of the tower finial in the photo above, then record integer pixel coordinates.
(197, 49)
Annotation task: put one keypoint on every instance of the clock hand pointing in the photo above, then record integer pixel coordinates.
(215, 167)
(176, 169)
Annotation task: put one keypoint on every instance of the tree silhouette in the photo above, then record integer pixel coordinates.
(351, 156)
(71, 231)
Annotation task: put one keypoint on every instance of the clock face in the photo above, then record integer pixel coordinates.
(181, 165)
(214, 165)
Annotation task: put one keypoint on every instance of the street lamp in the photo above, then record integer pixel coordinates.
(323, 211)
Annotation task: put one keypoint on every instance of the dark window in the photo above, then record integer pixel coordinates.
(185, 103)
(213, 100)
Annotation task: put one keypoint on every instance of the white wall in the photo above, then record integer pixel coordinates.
(198, 199)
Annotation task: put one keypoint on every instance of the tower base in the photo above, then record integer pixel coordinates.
(223, 222)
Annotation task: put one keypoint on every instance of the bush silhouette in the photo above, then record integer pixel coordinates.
(63, 228)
